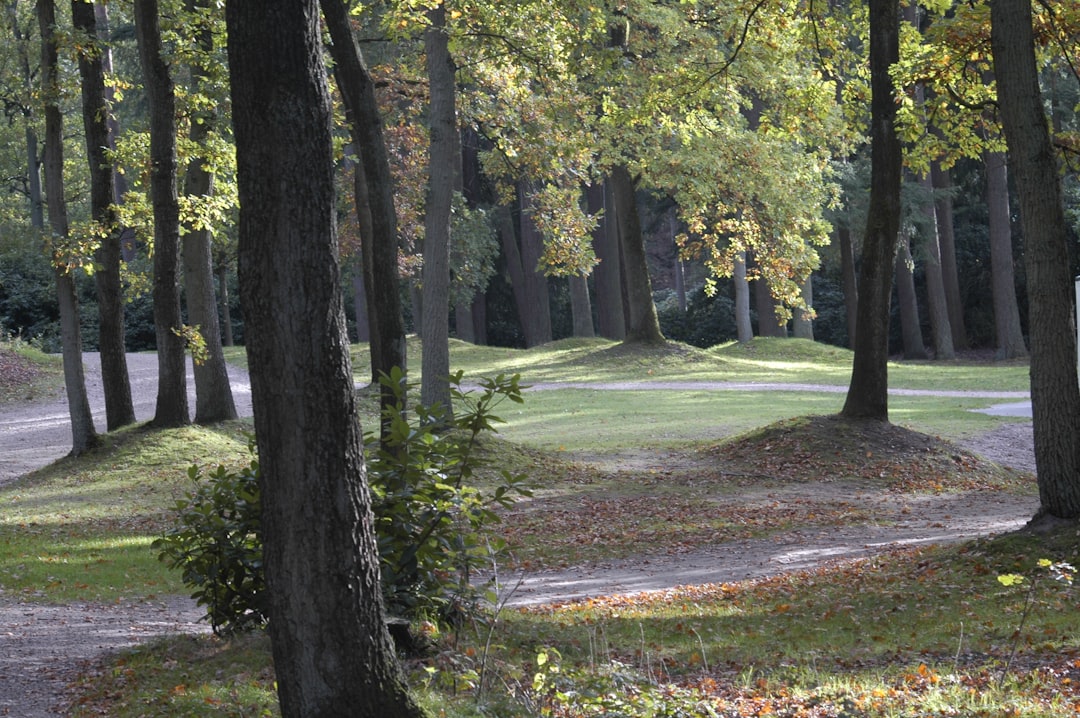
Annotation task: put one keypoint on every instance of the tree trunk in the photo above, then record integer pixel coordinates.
(172, 402)
(768, 323)
(536, 312)
(1009, 332)
(1055, 392)
(643, 325)
(851, 286)
(463, 322)
(744, 329)
(935, 283)
(213, 393)
(381, 243)
(607, 274)
(580, 306)
(802, 325)
(226, 311)
(868, 392)
(119, 409)
(83, 434)
(910, 324)
(332, 653)
(360, 304)
(442, 160)
(943, 208)
(33, 161)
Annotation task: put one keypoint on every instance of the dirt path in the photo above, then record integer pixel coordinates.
(43, 646)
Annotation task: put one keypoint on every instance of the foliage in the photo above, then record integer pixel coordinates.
(707, 321)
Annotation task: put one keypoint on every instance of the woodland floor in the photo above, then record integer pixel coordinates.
(784, 475)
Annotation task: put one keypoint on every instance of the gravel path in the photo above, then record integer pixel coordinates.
(43, 646)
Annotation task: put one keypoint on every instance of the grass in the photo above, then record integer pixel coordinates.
(27, 374)
(917, 632)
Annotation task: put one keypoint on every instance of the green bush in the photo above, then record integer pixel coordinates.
(428, 517)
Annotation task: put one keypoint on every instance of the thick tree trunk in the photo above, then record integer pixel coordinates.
(935, 283)
(119, 409)
(802, 325)
(768, 323)
(172, 402)
(643, 325)
(744, 329)
(83, 434)
(442, 159)
(868, 392)
(213, 393)
(943, 208)
(607, 274)
(463, 322)
(908, 304)
(1055, 392)
(851, 285)
(360, 304)
(536, 313)
(1009, 332)
(380, 244)
(581, 307)
(332, 653)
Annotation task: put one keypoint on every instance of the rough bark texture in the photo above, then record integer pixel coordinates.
(1055, 392)
(744, 329)
(1008, 330)
(943, 208)
(83, 434)
(935, 283)
(213, 394)
(119, 409)
(643, 325)
(442, 159)
(867, 396)
(607, 274)
(172, 403)
(381, 242)
(908, 304)
(851, 285)
(332, 653)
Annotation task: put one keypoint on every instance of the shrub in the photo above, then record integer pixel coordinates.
(428, 516)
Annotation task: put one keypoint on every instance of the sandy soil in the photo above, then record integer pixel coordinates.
(43, 646)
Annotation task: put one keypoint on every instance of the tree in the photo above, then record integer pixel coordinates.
(213, 393)
(119, 409)
(172, 401)
(83, 434)
(868, 392)
(1055, 391)
(643, 326)
(1008, 334)
(332, 653)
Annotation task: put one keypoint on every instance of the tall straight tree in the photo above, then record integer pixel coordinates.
(607, 274)
(332, 653)
(213, 393)
(119, 409)
(643, 326)
(868, 392)
(1055, 391)
(83, 434)
(172, 401)
(1009, 333)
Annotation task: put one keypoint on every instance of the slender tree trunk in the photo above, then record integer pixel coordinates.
(744, 329)
(213, 392)
(363, 328)
(581, 307)
(907, 299)
(607, 274)
(935, 283)
(443, 158)
(479, 313)
(802, 325)
(1055, 391)
(536, 313)
(172, 402)
(375, 195)
(868, 392)
(33, 161)
(851, 286)
(332, 653)
(943, 208)
(463, 322)
(644, 327)
(226, 311)
(83, 434)
(1009, 332)
(119, 409)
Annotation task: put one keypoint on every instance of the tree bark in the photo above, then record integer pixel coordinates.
(802, 326)
(908, 301)
(607, 274)
(1055, 392)
(851, 285)
(535, 314)
(643, 325)
(744, 329)
(226, 311)
(33, 160)
(442, 160)
(581, 307)
(943, 208)
(172, 402)
(213, 392)
(768, 323)
(935, 282)
(1009, 332)
(119, 409)
(360, 304)
(332, 653)
(868, 392)
(380, 244)
(83, 434)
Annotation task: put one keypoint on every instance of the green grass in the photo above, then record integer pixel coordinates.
(28, 373)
